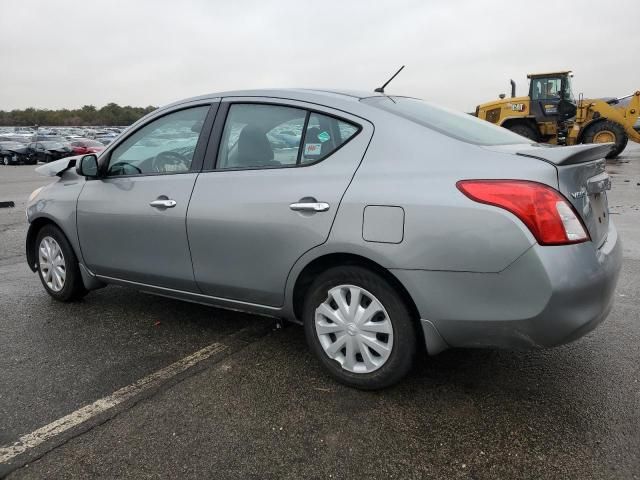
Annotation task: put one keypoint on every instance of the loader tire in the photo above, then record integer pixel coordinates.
(607, 131)
(525, 130)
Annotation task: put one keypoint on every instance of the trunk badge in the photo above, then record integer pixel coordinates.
(581, 194)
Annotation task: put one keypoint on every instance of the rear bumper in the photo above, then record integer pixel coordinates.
(548, 296)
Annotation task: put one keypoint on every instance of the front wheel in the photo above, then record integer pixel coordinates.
(58, 266)
(607, 131)
(359, 328)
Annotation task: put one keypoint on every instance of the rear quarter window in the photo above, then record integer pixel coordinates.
(449, 122)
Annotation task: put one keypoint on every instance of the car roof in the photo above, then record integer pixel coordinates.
(341, 99)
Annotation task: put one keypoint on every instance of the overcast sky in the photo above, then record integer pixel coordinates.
(62, 53)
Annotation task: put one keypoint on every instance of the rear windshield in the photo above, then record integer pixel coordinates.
(455, 124)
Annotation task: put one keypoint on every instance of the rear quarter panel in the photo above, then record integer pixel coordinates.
(413, 167)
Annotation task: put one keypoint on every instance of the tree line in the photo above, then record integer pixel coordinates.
(111, 114)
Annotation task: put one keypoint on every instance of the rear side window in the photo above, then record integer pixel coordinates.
(262, 136)
(324, 135)
(454, 124)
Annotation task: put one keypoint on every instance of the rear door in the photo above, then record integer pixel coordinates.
(281, 168)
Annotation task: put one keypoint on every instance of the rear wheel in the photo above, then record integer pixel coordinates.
(359, 328)
(58, 266)
(605, 132)
(5, 160)
(525, 130)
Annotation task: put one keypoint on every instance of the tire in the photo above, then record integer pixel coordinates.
(72, 287)
(48, 158)
(603, 131)
(379, 369)
(5, 161)
(525, 130)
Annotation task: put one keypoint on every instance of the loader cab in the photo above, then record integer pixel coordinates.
(551, 96)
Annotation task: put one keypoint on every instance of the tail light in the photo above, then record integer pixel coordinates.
(547, 214)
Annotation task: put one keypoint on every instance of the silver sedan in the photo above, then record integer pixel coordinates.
(384, 225)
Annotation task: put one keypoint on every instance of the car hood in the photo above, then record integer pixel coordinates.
(57, 168)
(21, 150)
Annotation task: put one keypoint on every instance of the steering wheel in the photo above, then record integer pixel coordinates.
(120, 168)
(169, 162)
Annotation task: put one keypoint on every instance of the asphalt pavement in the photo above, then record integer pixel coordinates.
(263, 408)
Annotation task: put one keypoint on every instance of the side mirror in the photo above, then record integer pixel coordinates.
(88, 166)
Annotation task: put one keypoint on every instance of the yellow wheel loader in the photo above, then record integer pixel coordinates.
(550, 114)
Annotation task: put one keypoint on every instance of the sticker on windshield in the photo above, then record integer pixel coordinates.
(312, 149)
(323, 136)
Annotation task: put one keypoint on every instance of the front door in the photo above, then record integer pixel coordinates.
(545, 95)
(131, 222)
(280, 174)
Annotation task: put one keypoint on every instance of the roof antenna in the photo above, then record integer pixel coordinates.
(381, 89)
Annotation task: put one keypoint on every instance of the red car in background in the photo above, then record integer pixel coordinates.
(83, 147)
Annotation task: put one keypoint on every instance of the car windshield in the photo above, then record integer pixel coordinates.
(91, 143)
(52, 145)
(454, 124)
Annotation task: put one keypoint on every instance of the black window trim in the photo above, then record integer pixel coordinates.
(198, 153)
(211, 161)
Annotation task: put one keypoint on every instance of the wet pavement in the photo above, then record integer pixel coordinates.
(264, 408)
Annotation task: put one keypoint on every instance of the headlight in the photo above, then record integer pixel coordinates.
(34, 194)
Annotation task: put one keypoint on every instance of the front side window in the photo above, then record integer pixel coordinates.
(258, 136)
(166, 145)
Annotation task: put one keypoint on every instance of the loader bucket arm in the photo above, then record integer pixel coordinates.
(625, 115)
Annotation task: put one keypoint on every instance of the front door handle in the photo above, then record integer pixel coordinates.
(163, 203)
(309, 207)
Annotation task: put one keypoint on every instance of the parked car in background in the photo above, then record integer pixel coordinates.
(83, 146)
(13, 153)
(105, 140)
(388, 224)
(47, 138)
(13, 138)
(48, 151)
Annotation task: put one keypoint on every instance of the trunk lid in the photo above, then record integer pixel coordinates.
(582, 179)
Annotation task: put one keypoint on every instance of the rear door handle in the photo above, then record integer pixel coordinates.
(309, 207)
(163, 203)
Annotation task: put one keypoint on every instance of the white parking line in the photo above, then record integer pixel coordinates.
(35, 438)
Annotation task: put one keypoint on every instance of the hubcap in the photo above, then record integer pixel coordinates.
(604, 136)
(52, 265)
(354, 329)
